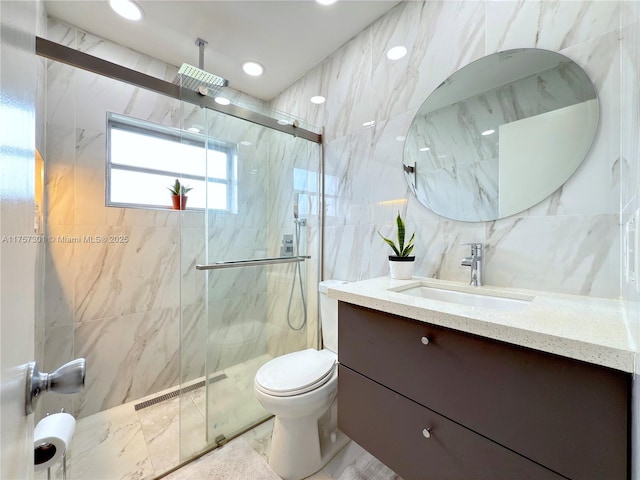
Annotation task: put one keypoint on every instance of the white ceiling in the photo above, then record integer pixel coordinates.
(288, 37)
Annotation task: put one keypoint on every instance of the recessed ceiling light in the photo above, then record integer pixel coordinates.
(246, 143)
(127, 9)
(401, 138)
(488, 132)
(326, 2)
(396, 53)
(222, 100)
(253, 68)
(317, 99)
(425, 149)
(370, 123)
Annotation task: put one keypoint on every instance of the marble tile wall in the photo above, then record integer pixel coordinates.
(121, 305)
(116, 304)
(568, 243)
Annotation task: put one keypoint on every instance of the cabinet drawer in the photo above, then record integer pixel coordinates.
(568, 415)
(391, 428)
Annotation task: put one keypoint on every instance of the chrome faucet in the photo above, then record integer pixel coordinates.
(475, 262)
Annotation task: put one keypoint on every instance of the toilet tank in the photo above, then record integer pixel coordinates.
(329, 315)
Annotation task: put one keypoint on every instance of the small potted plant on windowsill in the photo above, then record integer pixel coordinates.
(401, 264)
(179, 195)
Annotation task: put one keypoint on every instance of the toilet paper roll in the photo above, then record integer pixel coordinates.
(51, 438)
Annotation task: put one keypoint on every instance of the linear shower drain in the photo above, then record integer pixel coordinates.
(176, 392)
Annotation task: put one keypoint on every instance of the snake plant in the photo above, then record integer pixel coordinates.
(401, 250)
(178, 189)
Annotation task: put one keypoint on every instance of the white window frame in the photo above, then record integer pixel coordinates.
(146, 128)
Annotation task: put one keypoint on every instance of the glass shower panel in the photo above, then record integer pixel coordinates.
(234, 319)
(191, 418)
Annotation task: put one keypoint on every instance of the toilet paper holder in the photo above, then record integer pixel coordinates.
(69, 378)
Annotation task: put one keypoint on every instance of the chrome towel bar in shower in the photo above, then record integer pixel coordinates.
(254, 262)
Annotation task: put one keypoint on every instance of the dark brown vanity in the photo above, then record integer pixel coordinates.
(434, 403)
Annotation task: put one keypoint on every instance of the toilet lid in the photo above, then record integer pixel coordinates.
(296, 373)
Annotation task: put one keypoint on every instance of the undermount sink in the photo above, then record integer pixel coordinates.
(480, 299)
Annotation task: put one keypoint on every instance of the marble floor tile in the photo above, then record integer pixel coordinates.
(110, 445)
(259, 437)
(122, 443)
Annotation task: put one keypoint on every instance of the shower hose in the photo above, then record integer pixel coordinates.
(297, 273)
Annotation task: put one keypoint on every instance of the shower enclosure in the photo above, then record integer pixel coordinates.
(177, 309)
(249, 272)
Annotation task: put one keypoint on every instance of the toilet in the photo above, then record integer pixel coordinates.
(300, 389)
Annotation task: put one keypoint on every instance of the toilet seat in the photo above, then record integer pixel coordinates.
(295, 373)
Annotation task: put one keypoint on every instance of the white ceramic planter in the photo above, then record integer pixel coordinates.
(401, 268)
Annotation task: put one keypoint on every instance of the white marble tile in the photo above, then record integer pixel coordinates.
(173, 430)
(350, 252)
(525, 252)
(599, 173)
(193, 428)
(61, 33)
(61, 94)
(345, 157)
(59, 275)
(259, 437)
(144, 345)
(433, 52)
(142, 217)
(345, 457)
(193, 338)
(552, 25)
(133, 273)
(440, 248)
(60, 174)
(234, 461)
(110, 446)
(90, 177)
(231, 402)
(349, 91)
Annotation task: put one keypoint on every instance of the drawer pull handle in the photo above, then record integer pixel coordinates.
(425, 340)
(426, 432)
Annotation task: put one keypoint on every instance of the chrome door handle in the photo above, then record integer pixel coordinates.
(69, 378)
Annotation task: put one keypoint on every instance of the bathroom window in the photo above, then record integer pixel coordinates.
(144, 159)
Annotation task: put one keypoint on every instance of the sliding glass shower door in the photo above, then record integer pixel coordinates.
(249, 271)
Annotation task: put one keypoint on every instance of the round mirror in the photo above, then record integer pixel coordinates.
(500, 135)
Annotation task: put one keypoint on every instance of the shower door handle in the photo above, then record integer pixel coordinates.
(254, 262)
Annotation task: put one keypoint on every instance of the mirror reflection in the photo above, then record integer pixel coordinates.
(500, 135)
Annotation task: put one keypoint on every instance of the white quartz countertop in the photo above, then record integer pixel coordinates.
(584, 328)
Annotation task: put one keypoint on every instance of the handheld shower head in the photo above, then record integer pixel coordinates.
(296, 197)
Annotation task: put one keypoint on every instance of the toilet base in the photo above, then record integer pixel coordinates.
(301, 447)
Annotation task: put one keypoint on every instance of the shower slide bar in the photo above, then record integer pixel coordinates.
(254, 262)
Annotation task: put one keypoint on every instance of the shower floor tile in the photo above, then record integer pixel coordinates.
(124, 444)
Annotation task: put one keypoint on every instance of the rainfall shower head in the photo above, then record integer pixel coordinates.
(198, 80)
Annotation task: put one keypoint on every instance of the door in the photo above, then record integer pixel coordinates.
(17, 240)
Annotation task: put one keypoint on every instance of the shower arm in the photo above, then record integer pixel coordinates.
(201, 44)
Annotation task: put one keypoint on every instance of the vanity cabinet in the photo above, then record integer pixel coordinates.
(490, 410)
